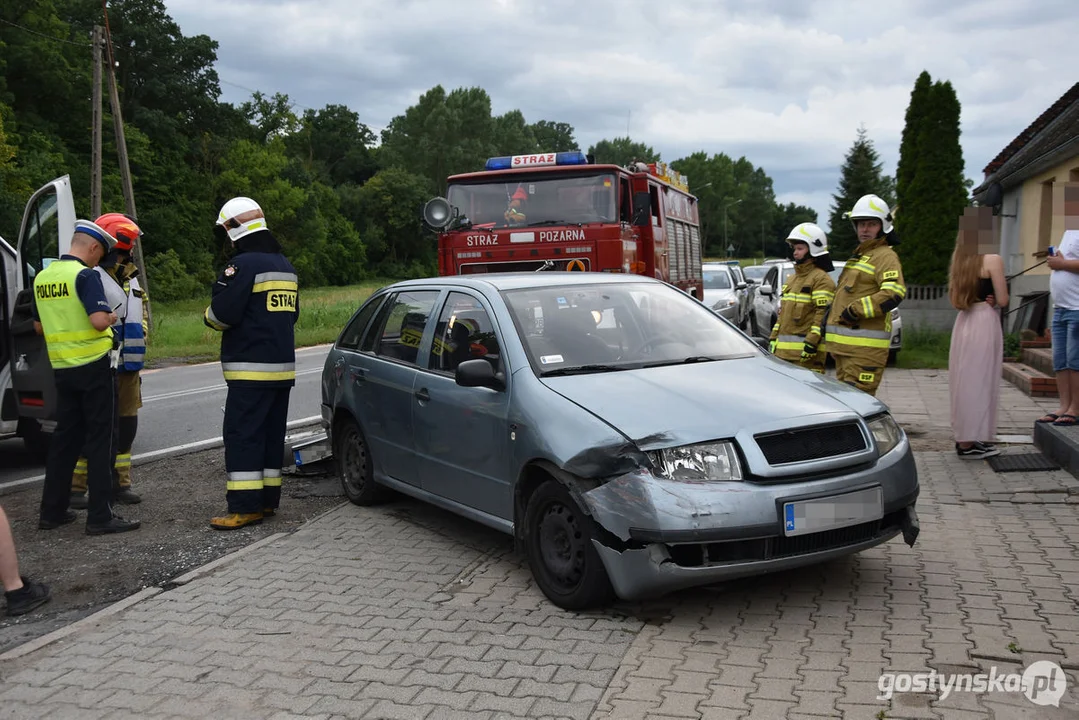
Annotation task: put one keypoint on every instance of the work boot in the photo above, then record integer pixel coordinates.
(51, 524)
(30, 596)
(235, 521)
(127, 496)
(78, 501)
(116, 524)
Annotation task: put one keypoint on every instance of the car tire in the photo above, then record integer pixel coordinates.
(558, 545)
(354, 465)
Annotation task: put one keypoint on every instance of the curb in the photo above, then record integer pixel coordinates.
(223, 560)
(38, 643)
(144, 594)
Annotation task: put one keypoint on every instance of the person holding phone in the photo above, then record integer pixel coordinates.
(1063, 260)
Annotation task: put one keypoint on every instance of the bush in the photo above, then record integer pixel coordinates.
(171, 281)
(1012, 347)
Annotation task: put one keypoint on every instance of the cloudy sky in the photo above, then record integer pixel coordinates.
(784, 82)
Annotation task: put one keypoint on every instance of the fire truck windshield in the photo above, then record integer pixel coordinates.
(538, 199)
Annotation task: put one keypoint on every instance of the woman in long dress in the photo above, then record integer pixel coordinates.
(977, 290)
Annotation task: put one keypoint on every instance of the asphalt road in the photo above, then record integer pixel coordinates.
(182, 405)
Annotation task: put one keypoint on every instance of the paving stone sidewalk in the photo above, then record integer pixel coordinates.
(404, 611)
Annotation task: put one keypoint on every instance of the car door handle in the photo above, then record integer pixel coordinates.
(358, 373)
(422, 395)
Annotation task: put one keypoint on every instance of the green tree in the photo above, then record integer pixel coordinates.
(913, 125)
(622, 151)
(334, 145)
(786, 218)
(511, 135)
(937, 191)
(388, 208)
(862, 174)
(554, 136)
(441, 135)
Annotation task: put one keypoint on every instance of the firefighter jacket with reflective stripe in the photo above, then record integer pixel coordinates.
(125, 297)
(804, 300)
(133, 351)
(255, 304)
(65, 321)
(870, 287)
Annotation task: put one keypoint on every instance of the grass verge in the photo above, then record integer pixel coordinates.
(924, 348)
(179, 335)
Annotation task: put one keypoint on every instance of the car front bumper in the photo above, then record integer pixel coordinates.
(711, 532)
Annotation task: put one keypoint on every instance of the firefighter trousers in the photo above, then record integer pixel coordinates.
(128, 398)
(862, 371)
(254, 434)
(85, 398)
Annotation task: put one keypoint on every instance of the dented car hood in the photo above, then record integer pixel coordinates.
(683, 404)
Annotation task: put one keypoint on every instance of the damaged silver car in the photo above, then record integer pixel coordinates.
(632, 442)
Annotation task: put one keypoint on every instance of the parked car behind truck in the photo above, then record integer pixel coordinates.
(615, 427)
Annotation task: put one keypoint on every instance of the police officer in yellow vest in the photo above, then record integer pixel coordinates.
(71, 311)
(859, 327)
(805, 298)
(119, 278)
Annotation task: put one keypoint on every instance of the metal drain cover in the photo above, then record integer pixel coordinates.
(1020, 462)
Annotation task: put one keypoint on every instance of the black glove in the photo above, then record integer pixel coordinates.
(809, 351)
(848, 316)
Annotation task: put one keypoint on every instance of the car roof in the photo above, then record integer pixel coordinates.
(519, 280)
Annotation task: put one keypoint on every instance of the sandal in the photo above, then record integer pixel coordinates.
(1047, 418)
(1066, 419)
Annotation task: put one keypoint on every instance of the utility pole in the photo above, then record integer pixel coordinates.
(95, 151)
(125, 169)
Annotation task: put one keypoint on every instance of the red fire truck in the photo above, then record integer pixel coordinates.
(561, 211)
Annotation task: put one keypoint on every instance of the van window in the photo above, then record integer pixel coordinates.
(40, 245)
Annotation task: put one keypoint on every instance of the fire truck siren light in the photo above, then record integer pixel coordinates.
(509, 162)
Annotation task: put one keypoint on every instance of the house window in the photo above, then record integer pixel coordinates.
(1045, 216)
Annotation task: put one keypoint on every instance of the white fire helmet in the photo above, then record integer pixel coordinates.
(241, 216)
(812, 236)
(871, 207)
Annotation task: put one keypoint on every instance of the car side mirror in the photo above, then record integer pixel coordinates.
(479, 373)
(741, 286)
(766, 289)
(642, 209)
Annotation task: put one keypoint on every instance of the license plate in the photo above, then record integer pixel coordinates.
(829, 513)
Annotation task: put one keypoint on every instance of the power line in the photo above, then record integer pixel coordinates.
(43, 35)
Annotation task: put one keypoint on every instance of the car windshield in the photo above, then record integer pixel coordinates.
(573, 329)
(717, 280)
(755, 272)
(522, 201)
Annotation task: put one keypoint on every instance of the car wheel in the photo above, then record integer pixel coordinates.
(354, 465)
(558, 544)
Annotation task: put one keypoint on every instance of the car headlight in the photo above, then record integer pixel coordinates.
(713, 462)
(886, 432)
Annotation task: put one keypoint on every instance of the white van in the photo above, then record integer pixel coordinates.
(27, 392)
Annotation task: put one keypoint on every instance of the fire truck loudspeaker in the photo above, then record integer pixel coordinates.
(437, 213)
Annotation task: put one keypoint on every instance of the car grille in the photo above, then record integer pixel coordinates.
(779, 546)
(825, 441)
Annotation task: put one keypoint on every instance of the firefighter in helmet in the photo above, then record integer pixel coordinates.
(119, 277)
(859, 327)
(805, 298)
(514, 213)
(254, 305)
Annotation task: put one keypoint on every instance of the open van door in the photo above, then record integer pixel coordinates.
(47, 226)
